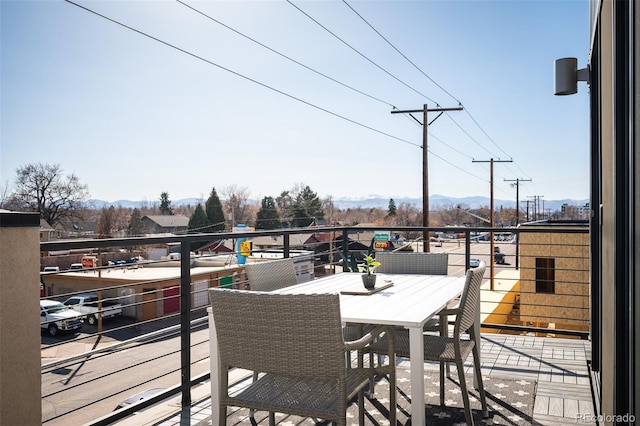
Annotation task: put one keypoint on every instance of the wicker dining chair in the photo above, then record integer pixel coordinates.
(271, 274)
(416, 263)
(295, 342)
(413, 263)
(455, 348)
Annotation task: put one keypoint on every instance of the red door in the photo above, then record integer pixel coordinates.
(171, 297)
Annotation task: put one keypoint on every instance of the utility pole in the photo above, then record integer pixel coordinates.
(517, 185)
(425, 169)
(536, 206)
(528, 202)
(491, 161)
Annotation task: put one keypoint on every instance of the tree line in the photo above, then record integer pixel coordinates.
(62, 199)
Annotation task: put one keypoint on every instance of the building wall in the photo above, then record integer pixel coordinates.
(607, 333)
(20, 380)
(569, 306)
(135, 293)
(615, 57)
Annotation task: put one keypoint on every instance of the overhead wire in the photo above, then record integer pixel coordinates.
(283, 55)
(419, 123)
(270, 87)
(400, 53)
(243, 76)
(440, 87)
(360, 53)
(457, 167)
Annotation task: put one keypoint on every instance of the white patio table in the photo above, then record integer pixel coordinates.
(409, 302)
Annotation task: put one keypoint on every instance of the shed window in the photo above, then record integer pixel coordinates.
(545, 275)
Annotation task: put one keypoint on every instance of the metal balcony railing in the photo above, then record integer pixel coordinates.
(540, 286)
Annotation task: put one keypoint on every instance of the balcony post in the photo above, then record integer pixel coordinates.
(185, 321)
(286, 245)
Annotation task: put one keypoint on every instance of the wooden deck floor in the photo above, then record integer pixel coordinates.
(559, 365)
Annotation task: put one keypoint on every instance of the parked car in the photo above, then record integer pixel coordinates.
(75, 266)
(51, 269)
(55, 317)
(138, 397)
(474, 263)
(87, 305)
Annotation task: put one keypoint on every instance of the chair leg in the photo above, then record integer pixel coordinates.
(465, 393)
(392, 390)
(361, 407)
(441, 383)
(272, 418)
(222, 416)
(252, 413)
(476, 366)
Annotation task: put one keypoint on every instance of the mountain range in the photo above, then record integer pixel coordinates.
(435, 201)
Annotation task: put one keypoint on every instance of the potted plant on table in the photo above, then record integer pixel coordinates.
(368, 267)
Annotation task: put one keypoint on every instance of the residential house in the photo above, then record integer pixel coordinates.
(47, 233)
(165, 224)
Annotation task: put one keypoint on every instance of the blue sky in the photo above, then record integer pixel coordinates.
(200, 106)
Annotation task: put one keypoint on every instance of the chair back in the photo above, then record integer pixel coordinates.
(413, 263)
(284, 334)
(271, 275)
(470, 300)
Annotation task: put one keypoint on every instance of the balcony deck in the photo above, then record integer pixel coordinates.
(559, 365)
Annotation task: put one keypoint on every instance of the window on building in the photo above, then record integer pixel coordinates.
(545, 275)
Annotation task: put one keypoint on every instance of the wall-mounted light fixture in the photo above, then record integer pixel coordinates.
(567, 75)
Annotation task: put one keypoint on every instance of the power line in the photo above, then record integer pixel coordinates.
(457, 167)
(401, 54)
(437, 84)
(338, 82)
(361, 54)
(485, 133)
(467, 133)
(283, 55)
(451, 147)
(263, 84)
(243, 76)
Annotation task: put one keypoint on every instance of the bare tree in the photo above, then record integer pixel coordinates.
(43, 188)
(107, 222)
(408, 215)
(237, 204)
(5, 196)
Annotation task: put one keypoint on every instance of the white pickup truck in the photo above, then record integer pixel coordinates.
(87, 305)
(55, 317)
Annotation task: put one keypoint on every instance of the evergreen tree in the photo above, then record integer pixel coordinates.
(267, 217)
(215, 213)
(392, 207)
(136, 226)
(301, 217)
(307, 208)
(165, 204)
(199, 222)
